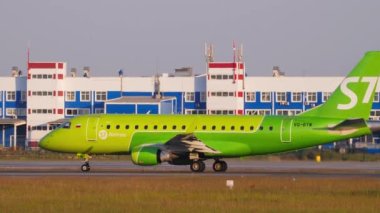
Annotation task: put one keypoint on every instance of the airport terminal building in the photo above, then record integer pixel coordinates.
(33, 104)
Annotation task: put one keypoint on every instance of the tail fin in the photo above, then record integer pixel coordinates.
(354, 96)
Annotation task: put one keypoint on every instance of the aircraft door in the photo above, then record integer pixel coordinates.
(92, 128)
(286, 130)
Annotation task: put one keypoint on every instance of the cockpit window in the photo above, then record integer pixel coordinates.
(65, 125)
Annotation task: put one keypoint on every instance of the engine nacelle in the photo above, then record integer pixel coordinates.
(150, 155)
(145, 155)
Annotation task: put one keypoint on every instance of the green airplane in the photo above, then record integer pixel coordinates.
(192, 139)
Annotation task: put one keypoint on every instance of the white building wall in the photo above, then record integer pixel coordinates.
(292, 84)
(232, 84)
(41, 109)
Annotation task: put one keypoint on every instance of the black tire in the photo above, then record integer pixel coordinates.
(197, 166)
(225, 166)
(85, 167)
(219, 166)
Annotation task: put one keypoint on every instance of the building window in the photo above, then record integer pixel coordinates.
(11, 95)
(222, 94)
(85, 96)
(1, 111)
(10, 112)
(311, 97)
(42, 93)
(1, 95)
(101, 96)
(203, 97)
(221, 77)
(201, 111)
(266, 97)
(99, 110)
(72, 112)
(222, 112)
(250, 96)
(189, 96)
(281, 96)
(42, 76)
(288, 112)
(39, 128)
(257, 112)
(190, 111)
(297, 97)
(42, 111)
(326, 96)
(23, 96)
(21, 112)
(84, 111)
(70, 96)
(374, 115)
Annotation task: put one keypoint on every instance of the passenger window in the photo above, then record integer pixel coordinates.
(126, 126)
(213, 127)
(261, 128)
(271, 128)
(223, 128)
(164, 127)
(251, 128)
(232, 127)
(174, 127)
(146, 127)
(117, 126)
(242, 128)
(183, 127)
(204, 127)
(155, 127)
(108, 126)
(136, 126)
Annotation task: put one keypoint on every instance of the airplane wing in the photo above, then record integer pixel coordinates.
(188, 143)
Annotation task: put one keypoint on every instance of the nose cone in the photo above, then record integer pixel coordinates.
(44, 142)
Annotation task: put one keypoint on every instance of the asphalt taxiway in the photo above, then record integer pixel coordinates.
(236, 167)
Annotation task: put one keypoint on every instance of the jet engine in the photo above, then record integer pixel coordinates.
(150, 155)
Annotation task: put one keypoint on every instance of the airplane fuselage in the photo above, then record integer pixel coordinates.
(232, 136)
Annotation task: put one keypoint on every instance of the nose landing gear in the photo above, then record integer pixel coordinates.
(86, 165)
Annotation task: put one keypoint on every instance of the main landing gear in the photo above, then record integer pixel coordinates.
(86, 165)
(219, 166)
(199, 166)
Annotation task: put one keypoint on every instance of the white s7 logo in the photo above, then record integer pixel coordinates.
(352, 96)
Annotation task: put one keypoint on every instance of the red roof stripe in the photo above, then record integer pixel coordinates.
(41, 66)
(225, 65)
(222, 65)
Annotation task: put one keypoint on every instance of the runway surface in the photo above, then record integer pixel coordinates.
(235, 168)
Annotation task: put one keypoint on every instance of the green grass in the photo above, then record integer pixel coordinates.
(190, 193)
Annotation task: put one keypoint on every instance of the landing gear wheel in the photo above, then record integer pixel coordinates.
(219, 166)
(197, 166)
(85, 167)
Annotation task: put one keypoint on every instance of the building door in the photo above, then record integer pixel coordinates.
(286, 130)
(92, 128)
